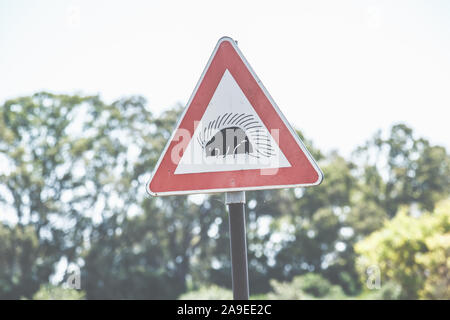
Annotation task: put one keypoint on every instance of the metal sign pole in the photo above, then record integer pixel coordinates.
(238, 244)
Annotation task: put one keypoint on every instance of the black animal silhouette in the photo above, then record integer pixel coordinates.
(228, 141)
(229, 135)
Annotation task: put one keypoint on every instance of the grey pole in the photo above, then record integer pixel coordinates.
(238, 244)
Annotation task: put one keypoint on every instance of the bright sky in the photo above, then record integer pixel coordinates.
(339, 70)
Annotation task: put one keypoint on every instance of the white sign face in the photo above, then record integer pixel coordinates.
(231, 136)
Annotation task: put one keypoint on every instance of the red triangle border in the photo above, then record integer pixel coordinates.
(303, 171)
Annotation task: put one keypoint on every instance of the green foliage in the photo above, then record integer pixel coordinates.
(309, 286)
(22, 262)
(48, 178)
(306, 287)
(388, 291)
(314, 223)
(412, 252)
(148, 258)
(436, 260)
(212, 292)
(71, 183)
(366, 217)
(49, 292)
(402, 169)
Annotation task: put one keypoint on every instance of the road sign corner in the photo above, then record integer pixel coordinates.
(147, 187)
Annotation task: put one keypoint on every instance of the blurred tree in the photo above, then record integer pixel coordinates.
(313, 237)
(402, 169)
(23, 262)
(436, 260)
(412, 252)
(71, 186)
(149, 245)
(72, 170)
(365, 217)
(46, 184)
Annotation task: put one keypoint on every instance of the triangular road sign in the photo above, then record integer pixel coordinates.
(232, 136)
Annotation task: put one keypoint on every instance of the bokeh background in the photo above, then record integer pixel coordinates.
(90, 92)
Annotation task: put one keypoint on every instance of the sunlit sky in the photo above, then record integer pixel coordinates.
(339, 70)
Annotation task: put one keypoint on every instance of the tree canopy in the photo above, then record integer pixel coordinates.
(72, 196)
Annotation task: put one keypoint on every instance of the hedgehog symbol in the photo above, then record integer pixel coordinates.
(229, 135)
